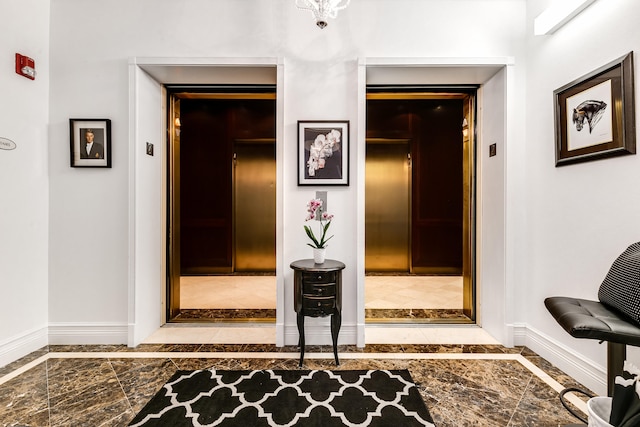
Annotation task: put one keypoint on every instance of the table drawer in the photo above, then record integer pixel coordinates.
(319, 277)
(318, 306)
(319, 289)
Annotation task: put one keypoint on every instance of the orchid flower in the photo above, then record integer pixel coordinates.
(314, 210)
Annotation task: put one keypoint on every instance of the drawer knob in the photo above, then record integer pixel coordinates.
(319, 277)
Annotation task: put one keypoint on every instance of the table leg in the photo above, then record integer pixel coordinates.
(336, 321)
(301, 337)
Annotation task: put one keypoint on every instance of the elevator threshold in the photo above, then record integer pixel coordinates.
(418, 316)
(225, 316)
(408, 321)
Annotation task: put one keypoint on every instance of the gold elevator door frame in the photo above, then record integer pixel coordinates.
(469, 207)
(173, 238)
(254, 185)
(374, 196)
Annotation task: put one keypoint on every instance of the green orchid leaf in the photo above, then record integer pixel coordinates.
(311, 236)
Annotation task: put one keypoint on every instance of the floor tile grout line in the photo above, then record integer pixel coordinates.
(46, 373)
(124, 393)
(513, 414)
(556, 386)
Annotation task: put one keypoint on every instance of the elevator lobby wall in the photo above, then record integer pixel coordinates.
(91, 44)
(24, 192)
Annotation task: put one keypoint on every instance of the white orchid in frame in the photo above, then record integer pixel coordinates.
(321, 148)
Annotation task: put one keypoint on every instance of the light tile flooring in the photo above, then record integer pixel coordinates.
(381, 292)
(417, 292)
(228, 292)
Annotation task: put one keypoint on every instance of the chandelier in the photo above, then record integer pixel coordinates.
(322, 9)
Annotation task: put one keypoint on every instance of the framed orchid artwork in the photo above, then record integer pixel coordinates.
(323, 152)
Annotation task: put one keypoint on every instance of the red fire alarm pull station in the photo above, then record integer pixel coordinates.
(25, 66)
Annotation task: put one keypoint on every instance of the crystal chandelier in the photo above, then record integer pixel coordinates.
(322, 9)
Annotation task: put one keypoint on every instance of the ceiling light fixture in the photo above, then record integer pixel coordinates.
(558, 14)
(323, 9)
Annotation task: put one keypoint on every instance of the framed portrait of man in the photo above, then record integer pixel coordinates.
(90, 141)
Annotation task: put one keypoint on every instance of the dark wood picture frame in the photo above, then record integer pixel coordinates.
(595, 114)
(323, 152)
(99, 154)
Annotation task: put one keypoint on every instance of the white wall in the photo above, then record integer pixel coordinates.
(579, 217)
(337, 77)
(24, 109)
(569, 222)
(491, 205)
(147, 206)
(90, 46)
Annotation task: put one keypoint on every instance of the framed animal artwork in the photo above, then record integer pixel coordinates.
(595, 116)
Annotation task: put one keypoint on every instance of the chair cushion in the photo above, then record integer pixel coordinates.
(621, 287)
(592, 319)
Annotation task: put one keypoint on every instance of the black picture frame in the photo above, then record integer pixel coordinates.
(595, 114)
(99, 155)
(323, 152)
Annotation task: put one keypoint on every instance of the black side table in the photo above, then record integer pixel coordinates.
(318, 293)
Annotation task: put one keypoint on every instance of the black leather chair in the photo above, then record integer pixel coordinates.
(594, 320)
(615, 318)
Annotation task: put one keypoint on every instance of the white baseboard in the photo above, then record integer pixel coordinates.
(87, 333)
(519, 333)
(320, 335)
(20, 346)
(585, 371)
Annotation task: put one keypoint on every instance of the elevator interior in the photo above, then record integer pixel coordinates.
(419, 201)
(419, 186)
(221, 185)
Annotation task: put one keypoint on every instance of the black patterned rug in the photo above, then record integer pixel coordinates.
(286, 398)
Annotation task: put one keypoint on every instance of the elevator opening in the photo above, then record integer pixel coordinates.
(419, 205)
(221, 204)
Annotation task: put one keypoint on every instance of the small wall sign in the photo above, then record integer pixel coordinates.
(7, 144)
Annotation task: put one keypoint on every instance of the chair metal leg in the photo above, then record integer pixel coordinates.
(616, 355)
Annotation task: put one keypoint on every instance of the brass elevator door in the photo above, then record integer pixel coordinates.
(387, 205)
(254, 205)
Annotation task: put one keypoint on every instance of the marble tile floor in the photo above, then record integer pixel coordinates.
(463, 385)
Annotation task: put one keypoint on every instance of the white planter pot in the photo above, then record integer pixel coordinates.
(318, 255)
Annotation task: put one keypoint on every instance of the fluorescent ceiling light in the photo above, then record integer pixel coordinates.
(558, 14)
